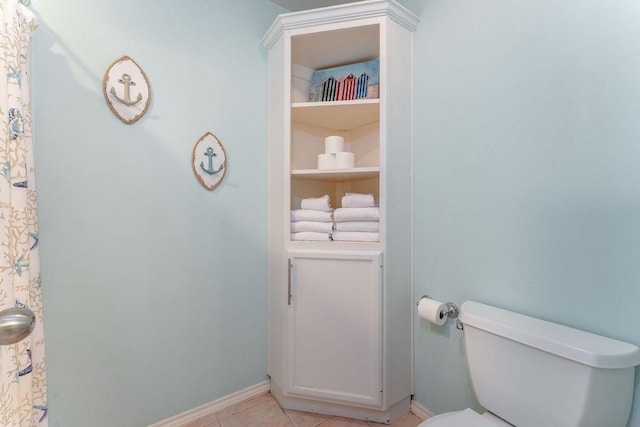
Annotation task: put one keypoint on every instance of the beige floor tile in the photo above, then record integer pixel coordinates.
(210, 420)
(207, 421)
(245, 405)
(306, 419)
(407, 420)
(265, 414)
(264, 411)
(344, 422)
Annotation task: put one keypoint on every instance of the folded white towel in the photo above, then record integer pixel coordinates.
(369, 226)
(315, 226)
(355, 236)
(317, 204)
(310, 235)
(358, 200)
(310, 215)
(356, 214)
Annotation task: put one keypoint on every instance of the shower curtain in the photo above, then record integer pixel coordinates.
(23, 386)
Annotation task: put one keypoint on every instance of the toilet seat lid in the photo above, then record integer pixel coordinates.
(466, 418)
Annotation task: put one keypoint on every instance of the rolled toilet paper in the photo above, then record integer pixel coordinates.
(344, 160)
(327, 161)
(333, 144)
(430, 310)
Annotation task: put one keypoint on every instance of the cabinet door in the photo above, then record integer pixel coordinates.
(334, 325)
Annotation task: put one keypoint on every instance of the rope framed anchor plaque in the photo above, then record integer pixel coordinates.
(126, 90)
(209, 161)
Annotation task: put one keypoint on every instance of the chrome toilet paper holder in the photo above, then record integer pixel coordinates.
(451, 312)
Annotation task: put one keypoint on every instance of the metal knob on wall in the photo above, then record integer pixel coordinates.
(436, 312)
(16, 324)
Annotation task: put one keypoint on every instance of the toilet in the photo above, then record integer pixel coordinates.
(528, 372)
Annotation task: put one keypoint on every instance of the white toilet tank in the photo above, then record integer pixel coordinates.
(534, 373)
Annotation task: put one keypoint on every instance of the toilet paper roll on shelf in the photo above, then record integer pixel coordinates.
(333, 144)
(436, 312)
(345, 160)
(327, 161)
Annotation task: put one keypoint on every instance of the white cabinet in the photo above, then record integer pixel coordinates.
(334, 327)
(340, 319)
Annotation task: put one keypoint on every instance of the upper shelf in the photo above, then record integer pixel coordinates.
(337, 115)
(327, 49)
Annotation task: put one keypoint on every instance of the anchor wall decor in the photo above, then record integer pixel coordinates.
(209, 161)
(126, 90)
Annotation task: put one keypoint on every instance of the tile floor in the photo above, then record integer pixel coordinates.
(263, 411)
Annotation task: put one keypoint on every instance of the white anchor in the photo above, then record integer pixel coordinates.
(127, 82)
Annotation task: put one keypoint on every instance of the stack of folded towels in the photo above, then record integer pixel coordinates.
(358, 219)
(314, 221)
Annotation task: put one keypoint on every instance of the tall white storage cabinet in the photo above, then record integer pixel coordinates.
(340, 313)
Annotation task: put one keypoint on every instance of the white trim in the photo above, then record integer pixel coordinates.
(340, 13)
(420, 411)
(215, 406)
(412, 216)
(335, 409)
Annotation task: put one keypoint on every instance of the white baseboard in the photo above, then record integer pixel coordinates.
(212, 407)
(341, 410)
(420, 411)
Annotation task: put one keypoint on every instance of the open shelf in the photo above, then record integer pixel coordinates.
(318, 50)
(336, 174)
(337, 115)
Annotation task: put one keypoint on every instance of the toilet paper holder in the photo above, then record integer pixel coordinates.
(452, 310)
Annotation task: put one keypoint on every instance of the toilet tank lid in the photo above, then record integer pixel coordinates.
(573, 344)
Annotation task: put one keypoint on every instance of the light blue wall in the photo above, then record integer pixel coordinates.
(527, 190)
(527, 171)
(154, 288)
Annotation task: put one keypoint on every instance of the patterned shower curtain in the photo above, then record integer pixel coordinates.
(23, 386)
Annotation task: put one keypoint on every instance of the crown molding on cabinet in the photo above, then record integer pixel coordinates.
(340, 13)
